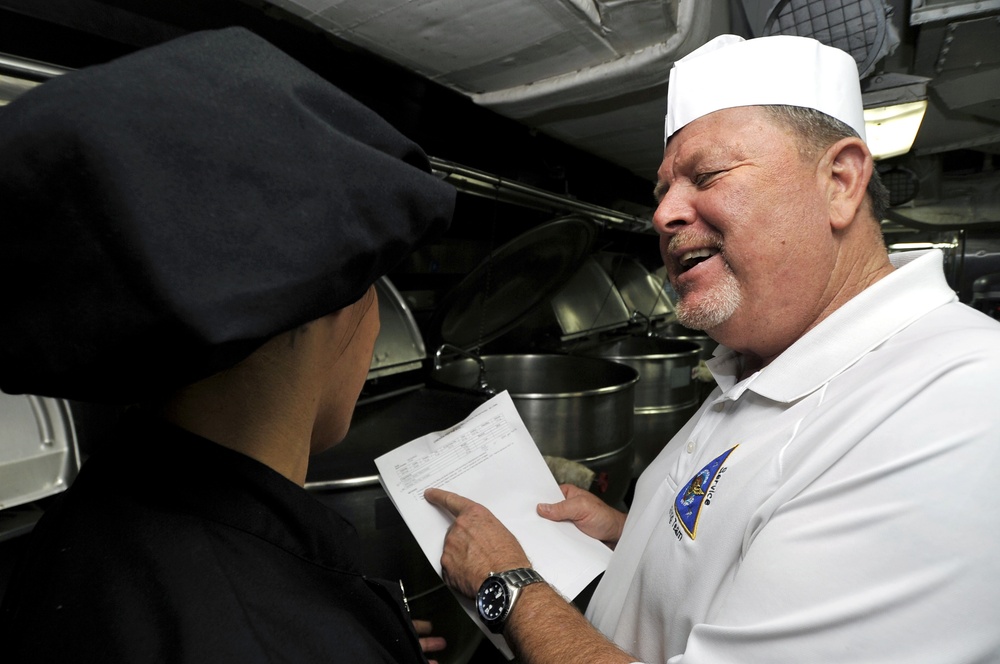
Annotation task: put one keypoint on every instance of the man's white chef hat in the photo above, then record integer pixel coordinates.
(730, 71)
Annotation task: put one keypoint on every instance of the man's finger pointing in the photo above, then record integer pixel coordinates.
(445, 499)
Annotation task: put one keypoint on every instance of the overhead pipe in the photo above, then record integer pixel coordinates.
(31, 70)
(479, 183)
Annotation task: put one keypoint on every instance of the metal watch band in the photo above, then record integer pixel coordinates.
(520, 577)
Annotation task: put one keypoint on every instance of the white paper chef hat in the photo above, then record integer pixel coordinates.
(730, 71)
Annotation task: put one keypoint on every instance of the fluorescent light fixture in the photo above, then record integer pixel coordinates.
(892, 129)
(921, 246)
(894, 108)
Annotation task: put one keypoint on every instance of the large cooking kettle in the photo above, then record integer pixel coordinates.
(576, 408)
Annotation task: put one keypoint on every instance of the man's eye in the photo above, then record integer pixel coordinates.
(701, 179)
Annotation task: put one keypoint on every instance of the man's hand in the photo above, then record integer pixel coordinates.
(543, 628)
(476, 543)
(587, 512)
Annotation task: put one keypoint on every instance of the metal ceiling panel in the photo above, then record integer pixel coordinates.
(927, 11)
(589, 72)
(473, 46)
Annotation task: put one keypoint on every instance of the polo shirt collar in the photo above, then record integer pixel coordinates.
(915, 288)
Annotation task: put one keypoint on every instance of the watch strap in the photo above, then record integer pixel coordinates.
(521, 577)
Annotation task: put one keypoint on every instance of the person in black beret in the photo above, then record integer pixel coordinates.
(196, 228)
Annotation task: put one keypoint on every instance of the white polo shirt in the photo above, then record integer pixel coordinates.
(840, 505)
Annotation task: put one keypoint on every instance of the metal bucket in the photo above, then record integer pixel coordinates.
(666, 395)
(578, 408)
(676, 331)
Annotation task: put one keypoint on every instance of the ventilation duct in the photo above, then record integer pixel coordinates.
(859, 27)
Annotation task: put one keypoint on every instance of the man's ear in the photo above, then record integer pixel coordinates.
(846, 167)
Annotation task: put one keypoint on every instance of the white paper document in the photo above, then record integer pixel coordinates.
(491, 458)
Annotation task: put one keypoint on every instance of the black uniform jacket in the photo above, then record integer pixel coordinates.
(171, 548)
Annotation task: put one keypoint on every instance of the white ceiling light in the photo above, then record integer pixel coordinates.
(894, 108)
(891, 129)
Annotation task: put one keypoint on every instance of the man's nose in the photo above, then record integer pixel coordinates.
(673, 212)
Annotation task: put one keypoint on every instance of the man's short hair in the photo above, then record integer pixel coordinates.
(820, 131)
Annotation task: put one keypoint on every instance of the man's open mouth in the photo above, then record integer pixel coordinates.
(691, 258)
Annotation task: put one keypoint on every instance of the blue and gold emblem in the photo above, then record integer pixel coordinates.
(687, 505)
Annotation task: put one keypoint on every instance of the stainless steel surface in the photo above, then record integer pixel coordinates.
(589, 303)
(578, 408)
(642, 291)
(925, 11)
(27, 69)
(480, 183)
(399, 346)
(666, 394)
(12, 88)
(678, 332)
(38, 448)
(18, 75)
(612, 474)
(482, 384)
(514, 280)
(664, 367)
(587, 73)
(380, 425)
(574, 407)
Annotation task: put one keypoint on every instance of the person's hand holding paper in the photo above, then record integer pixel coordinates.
(490, 459)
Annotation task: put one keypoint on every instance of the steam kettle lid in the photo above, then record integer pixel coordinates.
(519, 276)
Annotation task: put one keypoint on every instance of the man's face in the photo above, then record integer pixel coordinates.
(742, 228)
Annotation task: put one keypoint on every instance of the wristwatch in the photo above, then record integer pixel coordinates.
(498, 593)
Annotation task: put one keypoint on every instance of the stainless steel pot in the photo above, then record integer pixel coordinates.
(666, 394)
(578, 408)
(676, 331)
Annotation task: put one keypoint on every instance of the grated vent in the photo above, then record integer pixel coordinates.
(902, 184)
(858, 27)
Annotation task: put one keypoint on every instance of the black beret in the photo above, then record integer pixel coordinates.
(166, 213)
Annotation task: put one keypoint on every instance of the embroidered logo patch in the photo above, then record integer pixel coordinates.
(687, 505)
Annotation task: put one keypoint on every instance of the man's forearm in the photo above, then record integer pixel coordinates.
(546, 629)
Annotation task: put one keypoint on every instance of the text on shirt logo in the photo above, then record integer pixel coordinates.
(696, 494)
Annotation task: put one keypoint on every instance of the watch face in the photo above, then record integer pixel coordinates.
(492, 599)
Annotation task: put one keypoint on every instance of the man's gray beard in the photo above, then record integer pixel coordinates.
(715, 307)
